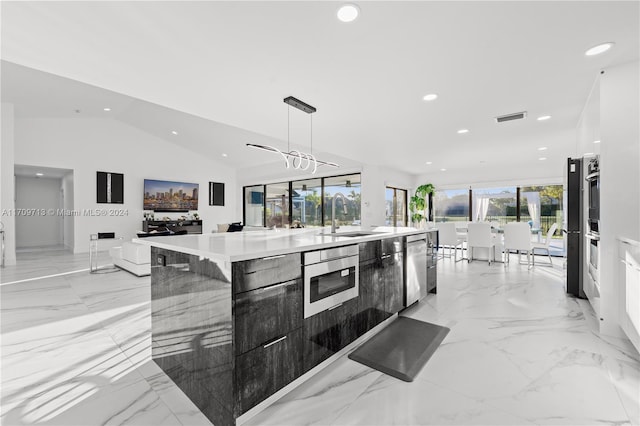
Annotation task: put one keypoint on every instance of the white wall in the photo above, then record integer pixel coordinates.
(620, 178)
(375, 179)
(90, 145)
(69, 221)
(38, 195)
(7, 183)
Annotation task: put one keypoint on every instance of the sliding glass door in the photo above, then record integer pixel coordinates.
(494, 205)
(277, 205)
(349, 186)
(451, 205)
(303, 203)
(306, 201)
(396, 206)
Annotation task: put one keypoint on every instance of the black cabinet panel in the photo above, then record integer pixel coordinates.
(191, 328)
(328, 332)
(266, 369)
(393, 278)
(257, 273)
(392, 245)
(266, 313)
(432, 279)
(369, 250)
(371, 309)
(179, 226)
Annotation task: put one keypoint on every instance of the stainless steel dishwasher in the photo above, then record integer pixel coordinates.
(415, 287)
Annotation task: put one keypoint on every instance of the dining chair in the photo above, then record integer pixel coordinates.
(545, 244)
(517, 236)
(479, 235)
(448, 237)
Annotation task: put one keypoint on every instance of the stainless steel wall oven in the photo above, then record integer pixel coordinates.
(593, 194)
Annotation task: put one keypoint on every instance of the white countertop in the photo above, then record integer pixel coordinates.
(237, 246)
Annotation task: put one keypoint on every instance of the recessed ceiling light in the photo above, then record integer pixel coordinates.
(429, 162)
(107, 109)
(39, 174)
(348, 13)
(174, 132)
(596, 141)
(430, 97)
(542, 158)
(224, 155)
(601, 48)
(542, 148)
(443, 170)
(589, 153)
(544, 117)
(461, 131)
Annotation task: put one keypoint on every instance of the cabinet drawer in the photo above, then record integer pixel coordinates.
(328, 332)
(255, 273)
(263, 371)
(263, 314)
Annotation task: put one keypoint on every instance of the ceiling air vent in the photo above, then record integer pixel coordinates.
(511, 117)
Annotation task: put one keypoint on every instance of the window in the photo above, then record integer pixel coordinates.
(451, 205)
(306, 201)
(303, 202)
(349, 186)
(396, 206)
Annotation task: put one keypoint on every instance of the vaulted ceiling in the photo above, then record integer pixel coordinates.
(217, 73)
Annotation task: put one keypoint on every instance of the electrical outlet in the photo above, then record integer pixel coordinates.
(162, 260)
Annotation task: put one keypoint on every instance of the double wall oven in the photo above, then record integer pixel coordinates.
(592, 233)
(330, 278)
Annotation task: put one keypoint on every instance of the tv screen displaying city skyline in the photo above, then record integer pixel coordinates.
(170, 196)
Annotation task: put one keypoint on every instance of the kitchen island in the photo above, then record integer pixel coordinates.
(231, 316)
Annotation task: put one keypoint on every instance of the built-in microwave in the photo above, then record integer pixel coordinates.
(330, 278)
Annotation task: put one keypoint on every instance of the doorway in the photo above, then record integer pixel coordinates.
(44, 197)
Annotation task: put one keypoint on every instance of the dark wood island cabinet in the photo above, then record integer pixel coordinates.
(232, 333)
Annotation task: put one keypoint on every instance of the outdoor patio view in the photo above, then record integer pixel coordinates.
(540, 206)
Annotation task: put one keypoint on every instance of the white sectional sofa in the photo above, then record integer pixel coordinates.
(132, 257)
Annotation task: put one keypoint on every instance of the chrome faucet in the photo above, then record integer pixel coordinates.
(333, 210)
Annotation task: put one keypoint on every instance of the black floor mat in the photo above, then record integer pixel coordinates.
(402, 348)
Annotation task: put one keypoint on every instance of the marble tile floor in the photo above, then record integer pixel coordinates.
(76, 351)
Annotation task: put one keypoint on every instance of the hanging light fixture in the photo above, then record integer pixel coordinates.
(294, 158)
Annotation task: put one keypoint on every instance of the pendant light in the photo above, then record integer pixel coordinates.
(293, 158)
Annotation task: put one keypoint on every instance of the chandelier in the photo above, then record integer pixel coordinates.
(293, 158)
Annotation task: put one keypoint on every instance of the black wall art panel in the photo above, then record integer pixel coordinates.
(216, 194)
(110, 188)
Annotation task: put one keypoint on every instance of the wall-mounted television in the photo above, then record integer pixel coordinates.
(170, 196)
